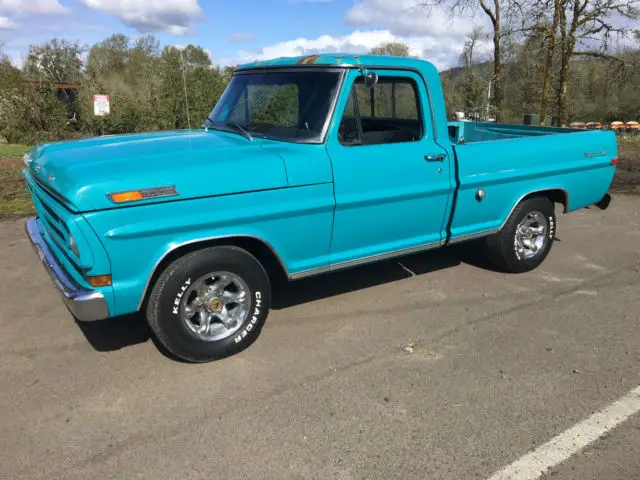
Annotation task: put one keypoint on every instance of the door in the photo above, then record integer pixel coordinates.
(391, 180)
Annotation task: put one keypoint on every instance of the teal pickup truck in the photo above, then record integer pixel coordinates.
(306, 165)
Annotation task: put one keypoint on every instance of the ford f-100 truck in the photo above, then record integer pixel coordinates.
(306, 165)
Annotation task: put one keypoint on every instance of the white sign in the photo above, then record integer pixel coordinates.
(101, 106)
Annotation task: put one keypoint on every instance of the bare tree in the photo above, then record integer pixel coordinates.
(582, 23)
(467, 58)
(503, 15)
(551, 33)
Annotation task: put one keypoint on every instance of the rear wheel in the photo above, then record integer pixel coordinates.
(210, 304)
(526, 238)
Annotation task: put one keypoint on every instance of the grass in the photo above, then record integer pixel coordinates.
(627, 177)
(16, 202)
(12, 151)
(14, 197)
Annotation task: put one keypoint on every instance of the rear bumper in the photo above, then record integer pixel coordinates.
(85, 305)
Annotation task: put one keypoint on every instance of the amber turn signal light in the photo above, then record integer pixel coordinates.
(127, 196)
(143, 194)
(99, 281)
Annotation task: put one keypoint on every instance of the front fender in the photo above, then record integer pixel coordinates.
(295, 222)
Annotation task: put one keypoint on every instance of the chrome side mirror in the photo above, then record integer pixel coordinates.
(370, 79)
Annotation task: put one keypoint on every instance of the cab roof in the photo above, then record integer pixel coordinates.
(345, 60)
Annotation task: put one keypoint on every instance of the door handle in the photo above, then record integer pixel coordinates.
(435, 158)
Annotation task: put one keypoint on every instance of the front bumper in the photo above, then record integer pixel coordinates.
(85, 305)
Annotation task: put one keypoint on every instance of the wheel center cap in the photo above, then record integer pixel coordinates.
(529, 234)
(215, 305)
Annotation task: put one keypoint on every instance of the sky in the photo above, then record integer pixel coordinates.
(237, 31)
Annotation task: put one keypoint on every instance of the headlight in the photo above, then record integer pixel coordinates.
(73, 246)
(27, 159)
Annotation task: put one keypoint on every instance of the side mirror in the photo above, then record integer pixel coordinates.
(370, 79)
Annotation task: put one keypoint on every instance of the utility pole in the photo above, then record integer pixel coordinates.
(489, 97)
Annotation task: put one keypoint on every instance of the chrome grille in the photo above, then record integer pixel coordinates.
(54, 226)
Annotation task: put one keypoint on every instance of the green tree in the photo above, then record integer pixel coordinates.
(56, 61)
(109, 56)
(394, 49)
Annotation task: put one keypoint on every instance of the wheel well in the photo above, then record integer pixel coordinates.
(556, 195)
(259, 249)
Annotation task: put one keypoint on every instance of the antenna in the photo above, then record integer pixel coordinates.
(184, 83)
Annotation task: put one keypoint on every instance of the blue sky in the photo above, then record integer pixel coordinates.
(234, 31)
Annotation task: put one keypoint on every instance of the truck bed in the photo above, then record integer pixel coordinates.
(472, 132)
(576, 166)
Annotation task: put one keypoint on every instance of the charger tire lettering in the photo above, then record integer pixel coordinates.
(254, 319)
(552, 228)
(176, 301)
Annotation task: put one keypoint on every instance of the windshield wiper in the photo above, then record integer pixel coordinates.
(235, 125)
(242, 129)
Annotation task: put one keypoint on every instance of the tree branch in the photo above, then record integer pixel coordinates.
(488, 11)
(604, 56)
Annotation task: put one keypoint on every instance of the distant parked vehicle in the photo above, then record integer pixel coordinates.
(306, 165)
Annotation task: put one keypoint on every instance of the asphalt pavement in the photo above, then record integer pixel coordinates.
(431, 367)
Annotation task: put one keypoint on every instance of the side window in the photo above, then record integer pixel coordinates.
(387, 113)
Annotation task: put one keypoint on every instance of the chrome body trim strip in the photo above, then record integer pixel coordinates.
(85, 305)
(365, 260)
(472, 236)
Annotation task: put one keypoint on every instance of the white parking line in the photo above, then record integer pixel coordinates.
(534, 464)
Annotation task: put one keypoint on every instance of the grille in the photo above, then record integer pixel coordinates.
(54, 227)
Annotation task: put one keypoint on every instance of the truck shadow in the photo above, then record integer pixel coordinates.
(120, 332)
(116, 333)
(289, 294)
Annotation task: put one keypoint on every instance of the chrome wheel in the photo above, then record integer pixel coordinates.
(216, 306)
(531, 235)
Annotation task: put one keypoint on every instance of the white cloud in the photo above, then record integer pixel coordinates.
(7, 23)
(176, 17)
(431, 33)
(443, 54)
(9, 9)
(407, 17)
(31, 6)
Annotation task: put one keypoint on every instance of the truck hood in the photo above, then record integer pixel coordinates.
(197, 163)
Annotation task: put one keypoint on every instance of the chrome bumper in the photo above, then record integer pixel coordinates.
(85, 305)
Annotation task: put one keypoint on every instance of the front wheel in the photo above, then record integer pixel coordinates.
(526, 238)
(209, 304)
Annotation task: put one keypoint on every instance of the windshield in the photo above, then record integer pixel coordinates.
(291, 106)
